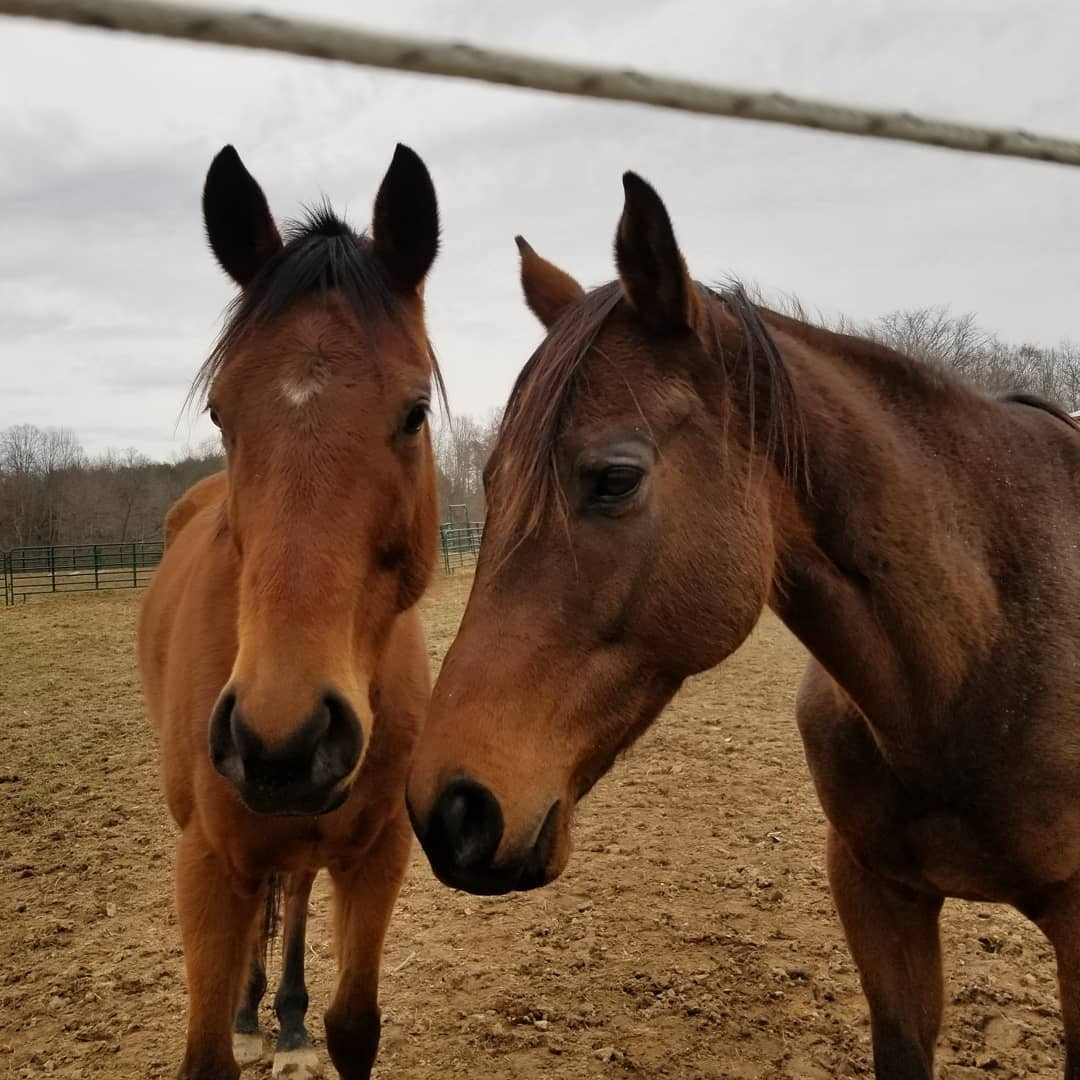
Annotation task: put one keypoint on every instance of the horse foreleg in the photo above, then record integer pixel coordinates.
(364, 900)
(893, 936)
(217, 920)
(294, 1056)
(1059, 920)
(247, 1038)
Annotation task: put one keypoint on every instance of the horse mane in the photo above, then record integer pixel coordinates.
(784, 427)
(539, 401)
(869, 350)
(917, 372)
(321, 254)
(1020, 397)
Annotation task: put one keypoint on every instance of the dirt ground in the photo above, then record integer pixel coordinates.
(691, 937)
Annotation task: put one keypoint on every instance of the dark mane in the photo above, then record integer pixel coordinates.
(783, 430)
(321, 254)
(913, 371)
(921, 373)
(536, 410)
(1020, 397)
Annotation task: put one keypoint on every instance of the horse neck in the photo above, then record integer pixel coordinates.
(883, 568)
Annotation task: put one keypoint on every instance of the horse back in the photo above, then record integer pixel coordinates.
(192, 525)
(208, 492)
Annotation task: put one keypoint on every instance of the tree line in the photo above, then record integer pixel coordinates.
(53, 492)
(959, 345)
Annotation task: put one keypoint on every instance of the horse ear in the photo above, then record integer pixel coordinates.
(238, 221)
(405, 223)
(548, 290)
(652, 271)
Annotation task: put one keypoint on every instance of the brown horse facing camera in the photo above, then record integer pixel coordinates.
(672, 460)
(280, 649)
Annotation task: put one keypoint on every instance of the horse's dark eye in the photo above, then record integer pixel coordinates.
(214, 418)
(617, 482)
(415, 418)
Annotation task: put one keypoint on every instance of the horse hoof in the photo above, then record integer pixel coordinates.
(247, 1047)
(297, 1064)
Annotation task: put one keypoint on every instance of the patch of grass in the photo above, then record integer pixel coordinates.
(33, 799)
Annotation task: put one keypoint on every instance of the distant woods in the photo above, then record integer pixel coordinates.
(462, 446)
(53, 492)
(957, 344)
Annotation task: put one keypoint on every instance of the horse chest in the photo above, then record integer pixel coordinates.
(957, 819)
(254, 844)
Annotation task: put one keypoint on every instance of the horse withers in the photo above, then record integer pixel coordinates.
(672, 459)
(280, 649)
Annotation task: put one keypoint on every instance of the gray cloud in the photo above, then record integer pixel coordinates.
(109, 300)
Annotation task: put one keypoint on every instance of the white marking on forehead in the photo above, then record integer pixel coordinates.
(300, 391)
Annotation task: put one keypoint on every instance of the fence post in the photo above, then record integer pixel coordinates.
(134, 567)
(96, 583)
(52, 567)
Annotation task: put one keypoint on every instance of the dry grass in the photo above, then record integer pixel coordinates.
(691, 937)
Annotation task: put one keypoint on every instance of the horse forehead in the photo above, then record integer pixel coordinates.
(322, 336)
(624, 387)
(300, 387)
(296, 360)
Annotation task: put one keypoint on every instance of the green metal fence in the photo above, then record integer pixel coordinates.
(460, 543)
(32, 571)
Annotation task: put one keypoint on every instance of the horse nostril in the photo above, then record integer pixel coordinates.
(337, 739)
(225, 753)
(465, 828)
(318, 755)
(245, 743)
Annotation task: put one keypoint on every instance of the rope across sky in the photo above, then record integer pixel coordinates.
(328, 41)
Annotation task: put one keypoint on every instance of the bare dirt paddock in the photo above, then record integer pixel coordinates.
(692, 936)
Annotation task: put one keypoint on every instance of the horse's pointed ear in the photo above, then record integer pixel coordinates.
(405, 223)
(651, 268)
(238, 221)
(548, 290)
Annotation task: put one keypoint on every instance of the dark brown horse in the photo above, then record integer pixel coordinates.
(673, 459)
(280, 649)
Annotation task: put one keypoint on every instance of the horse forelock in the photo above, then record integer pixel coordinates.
(524, 459)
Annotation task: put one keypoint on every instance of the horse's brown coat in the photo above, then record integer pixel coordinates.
(293, 574)
(919, 538)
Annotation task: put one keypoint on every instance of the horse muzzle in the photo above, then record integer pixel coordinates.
(462, 836)
(309, 772)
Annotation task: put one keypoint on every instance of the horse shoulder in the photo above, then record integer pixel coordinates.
(162, 611)
(404, 665)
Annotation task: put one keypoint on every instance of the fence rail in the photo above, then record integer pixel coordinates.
(33, 571)
(349, 44)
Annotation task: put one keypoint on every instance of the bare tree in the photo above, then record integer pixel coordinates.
(52, 493)
(20, 451)
(462, 447)
(955, 343)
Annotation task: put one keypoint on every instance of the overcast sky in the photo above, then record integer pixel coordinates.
(109, 299)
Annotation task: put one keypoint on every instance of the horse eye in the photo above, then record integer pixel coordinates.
(214, 418)
(617, 482)
(414, 421)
